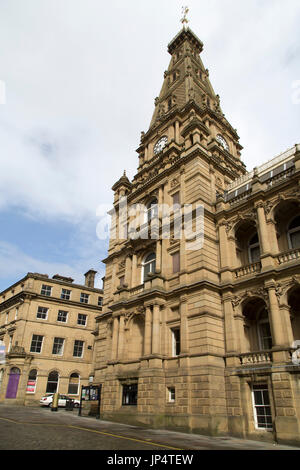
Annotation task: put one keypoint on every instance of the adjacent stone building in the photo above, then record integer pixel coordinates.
(200, 337)
(46, 335)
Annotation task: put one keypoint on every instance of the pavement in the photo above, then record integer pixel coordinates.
(38, 428)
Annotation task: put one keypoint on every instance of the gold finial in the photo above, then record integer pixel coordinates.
(184, 20)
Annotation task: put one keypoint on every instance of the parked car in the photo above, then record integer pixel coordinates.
(62, 400)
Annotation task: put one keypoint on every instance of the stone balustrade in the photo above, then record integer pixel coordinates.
(287, 256)
(246, 270)
(256, 357)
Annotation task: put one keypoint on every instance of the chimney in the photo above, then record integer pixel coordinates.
(90, 278)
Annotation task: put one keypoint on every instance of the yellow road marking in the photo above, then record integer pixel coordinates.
(94, 431)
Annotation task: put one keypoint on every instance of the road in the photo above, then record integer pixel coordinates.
(37, 428)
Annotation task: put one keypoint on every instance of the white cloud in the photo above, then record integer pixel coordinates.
(81, 78)
(14, 264)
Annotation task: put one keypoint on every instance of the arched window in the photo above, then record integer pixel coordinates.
(152, 210)
(73, 384)
(294, 233)
(52, 382)
(31, 383)
(254, 249)
(148, 266)
(264, 330)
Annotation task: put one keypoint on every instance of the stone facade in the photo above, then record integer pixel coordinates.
(200, 339)
(47, 326)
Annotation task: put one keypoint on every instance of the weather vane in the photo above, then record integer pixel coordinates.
(184, 20)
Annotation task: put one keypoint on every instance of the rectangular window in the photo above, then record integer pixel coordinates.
(78, 348)
(129, 396)
(171, 394)
(58, 346)
(176, 262)
(176, 198)
(100, 301)
(46, 290)
(42, 313)
(265, 336)
(175, 342)
(84, 298)
(81, 320)
(65, 294)
(36, 343)
(62, 316)
(122, 281)
(262, 408)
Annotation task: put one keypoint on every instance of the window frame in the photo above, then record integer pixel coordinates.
(31, 392)
(52, 382)
(84, 298)
(257, 406)
(37, 341)
(85, 318)
(57, 344)
(291, 232)
(46, 290)
(64, 295)
(46, 314)
(253, 246)
(171, 394)
(176, 341)
(147, 263)
(77, 346)
(58, 314)
(129, 395)
(74, 383)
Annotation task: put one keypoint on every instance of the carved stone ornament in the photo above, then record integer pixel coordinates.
(174, 182)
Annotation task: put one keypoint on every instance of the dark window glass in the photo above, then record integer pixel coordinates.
(129, 396)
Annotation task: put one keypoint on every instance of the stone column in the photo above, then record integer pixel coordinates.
(287, 324)
(184, 346)
(224, 246)
(114, 347)
(229, 323)
(156, 329)
(279, 333)
(158, 256)
(262, 229)
(271, 227)
(128, 271)
(134, 270)
(147, 332)
(224, 251)
(121, 337)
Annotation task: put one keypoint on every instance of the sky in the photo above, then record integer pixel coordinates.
(80, 79)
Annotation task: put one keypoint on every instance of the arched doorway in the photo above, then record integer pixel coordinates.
(13, 383)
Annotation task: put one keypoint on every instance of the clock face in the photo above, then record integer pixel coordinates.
(160, 144)
(222, 141)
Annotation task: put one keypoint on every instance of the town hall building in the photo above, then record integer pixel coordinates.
(202, 337)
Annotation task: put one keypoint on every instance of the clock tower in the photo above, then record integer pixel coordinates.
(162, 322)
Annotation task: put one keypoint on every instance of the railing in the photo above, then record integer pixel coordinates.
(136, 290)
(256, 357)
(249, 269)
(280, 177)
(287, 256)
(240, 197)
(262, 169)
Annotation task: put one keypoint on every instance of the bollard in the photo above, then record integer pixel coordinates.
(55, 402)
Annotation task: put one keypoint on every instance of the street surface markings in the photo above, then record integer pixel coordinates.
(94, 431)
